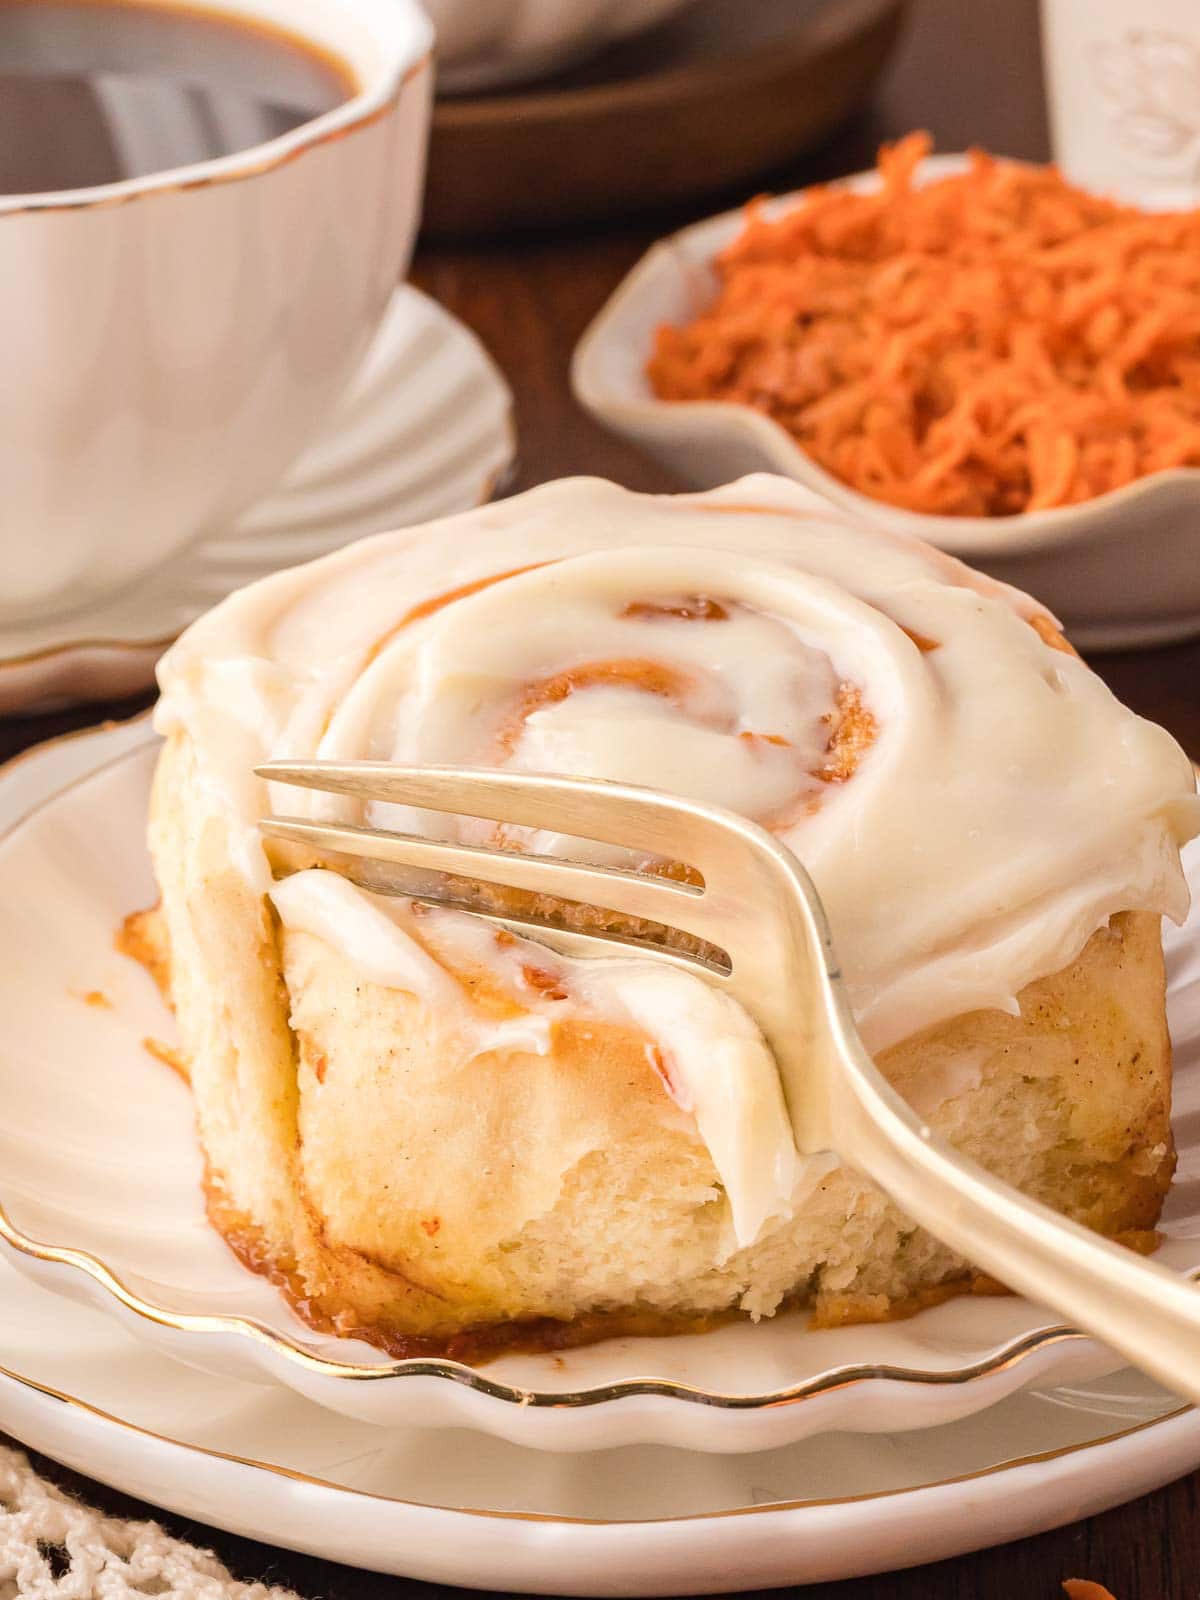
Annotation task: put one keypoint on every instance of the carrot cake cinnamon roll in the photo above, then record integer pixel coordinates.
(441, 1137)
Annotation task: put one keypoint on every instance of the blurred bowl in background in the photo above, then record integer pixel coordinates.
(484, 43)
(715, 95)
(1121, 571)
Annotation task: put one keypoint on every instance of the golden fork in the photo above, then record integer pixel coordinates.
(764, 940)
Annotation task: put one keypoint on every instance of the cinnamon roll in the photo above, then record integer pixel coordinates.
(443, 1138)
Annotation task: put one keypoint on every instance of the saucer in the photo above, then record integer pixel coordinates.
(100, 1200)
(425, 429)
(644, 1520)
(262, 1461)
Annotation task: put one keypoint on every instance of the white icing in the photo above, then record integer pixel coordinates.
(736, 1100)
(1006, 808)
(735, 1096)
(373, 933)
(366, 929)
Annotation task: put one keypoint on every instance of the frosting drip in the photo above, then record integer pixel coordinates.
(735, 1100)
(971, 802)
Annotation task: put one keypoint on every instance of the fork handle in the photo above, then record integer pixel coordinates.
(1148, 1313)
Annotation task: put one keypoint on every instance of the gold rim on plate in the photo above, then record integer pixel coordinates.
(1009, 1356)
(108, 1419)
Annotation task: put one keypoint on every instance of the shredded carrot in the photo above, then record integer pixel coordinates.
(991, 343)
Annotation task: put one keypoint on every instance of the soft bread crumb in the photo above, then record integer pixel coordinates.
(142, 937)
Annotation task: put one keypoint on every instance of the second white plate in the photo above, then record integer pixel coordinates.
(99, 1185)
(262, 1461)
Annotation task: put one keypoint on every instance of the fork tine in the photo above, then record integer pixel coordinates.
(576, 944)
(709, 961)
(633, 894)
(586, 808)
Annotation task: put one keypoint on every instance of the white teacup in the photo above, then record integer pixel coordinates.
(170, 343)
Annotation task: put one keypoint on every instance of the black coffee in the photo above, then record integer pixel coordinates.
(92, 92)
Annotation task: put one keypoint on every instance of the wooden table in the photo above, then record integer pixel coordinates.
(969, 71)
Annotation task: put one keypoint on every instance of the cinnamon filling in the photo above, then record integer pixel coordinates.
(923, 644)
(664, 1069)
(1048, 632)
(427, 608)
(546, 983)
(437, 602)
(853, 734)
(691, 608)
(650, 677)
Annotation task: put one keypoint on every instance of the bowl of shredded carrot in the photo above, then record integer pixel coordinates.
(966, 348)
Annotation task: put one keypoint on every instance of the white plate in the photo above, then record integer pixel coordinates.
(99, 1184)
(263, 1462)
(425, 429)
(1122, 570)
(636, 1521)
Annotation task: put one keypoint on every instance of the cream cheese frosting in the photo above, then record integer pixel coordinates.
(735, 1099)
(1001, 805)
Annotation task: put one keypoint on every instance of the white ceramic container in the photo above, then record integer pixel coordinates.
(1121, 571)
(1123, 87)
(172, 342)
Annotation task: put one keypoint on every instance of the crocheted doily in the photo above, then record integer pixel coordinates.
(53, 1548)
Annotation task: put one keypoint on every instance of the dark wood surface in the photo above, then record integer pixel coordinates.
(968, 70)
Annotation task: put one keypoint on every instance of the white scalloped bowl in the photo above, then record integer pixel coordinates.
(100, 1200)
(1122, 570)
(482, 44)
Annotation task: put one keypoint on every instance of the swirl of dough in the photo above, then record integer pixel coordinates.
(655, 666)
(970, 800)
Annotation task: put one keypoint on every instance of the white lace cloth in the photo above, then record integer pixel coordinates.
(54, 1548)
